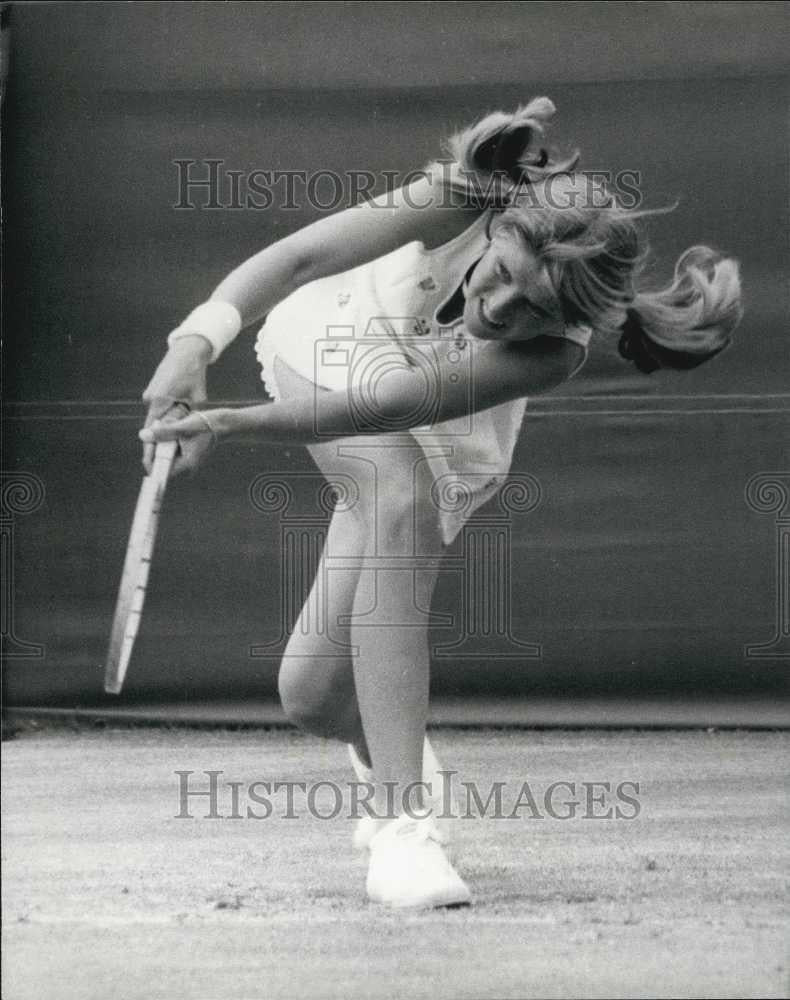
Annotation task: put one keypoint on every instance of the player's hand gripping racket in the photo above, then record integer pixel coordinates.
(134, 579)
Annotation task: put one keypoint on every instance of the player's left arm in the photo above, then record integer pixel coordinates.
(498, 373)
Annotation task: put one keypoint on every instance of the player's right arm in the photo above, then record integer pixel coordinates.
(426, 211)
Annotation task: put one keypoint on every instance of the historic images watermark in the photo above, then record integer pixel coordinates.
(479, 627)
(22, 494)
(209, 794)
(436, 480)
(769, 493)
(211, 184)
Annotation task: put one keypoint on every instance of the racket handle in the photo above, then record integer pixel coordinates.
(164, 456)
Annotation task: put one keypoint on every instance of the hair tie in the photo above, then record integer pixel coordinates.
(633, 344)
(648, 356)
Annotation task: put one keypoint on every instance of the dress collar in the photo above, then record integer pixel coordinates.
(451, 311)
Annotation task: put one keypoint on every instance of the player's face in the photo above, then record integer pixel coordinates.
(510, 295)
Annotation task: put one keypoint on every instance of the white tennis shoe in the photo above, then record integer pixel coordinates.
(442, 802)
(409, 869)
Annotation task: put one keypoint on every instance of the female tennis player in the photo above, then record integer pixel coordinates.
(458, 297)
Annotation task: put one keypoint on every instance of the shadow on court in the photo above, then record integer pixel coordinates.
(683, 896)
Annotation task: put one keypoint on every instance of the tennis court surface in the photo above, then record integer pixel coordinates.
(108, 894)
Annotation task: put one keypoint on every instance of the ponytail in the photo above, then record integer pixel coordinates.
(499, 148)
(688, 322)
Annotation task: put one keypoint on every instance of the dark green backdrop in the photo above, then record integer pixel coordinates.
(644, 567)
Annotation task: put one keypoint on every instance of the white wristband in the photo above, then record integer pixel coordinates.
(218, 322)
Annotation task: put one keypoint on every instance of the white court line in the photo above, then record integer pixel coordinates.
(253, 402)
(258, 915)
(533, 413)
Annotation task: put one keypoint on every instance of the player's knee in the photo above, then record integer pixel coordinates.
(405, 524)
(295, 696)
(396, 517)
(314, 707)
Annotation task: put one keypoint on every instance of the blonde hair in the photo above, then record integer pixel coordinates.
(594, 248)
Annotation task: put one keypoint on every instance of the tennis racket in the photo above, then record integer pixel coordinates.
(139, 551)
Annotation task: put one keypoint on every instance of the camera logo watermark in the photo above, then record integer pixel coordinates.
(361, 361)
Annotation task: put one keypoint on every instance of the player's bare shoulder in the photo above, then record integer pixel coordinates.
(537, 365)
(493, 372)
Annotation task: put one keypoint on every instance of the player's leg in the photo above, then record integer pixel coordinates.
(318, 690)
(390, 634)
(380, 558)
(391, 536)
(316, 679)
(408, 866)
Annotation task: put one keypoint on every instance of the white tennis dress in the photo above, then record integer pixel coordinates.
(346, 329)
